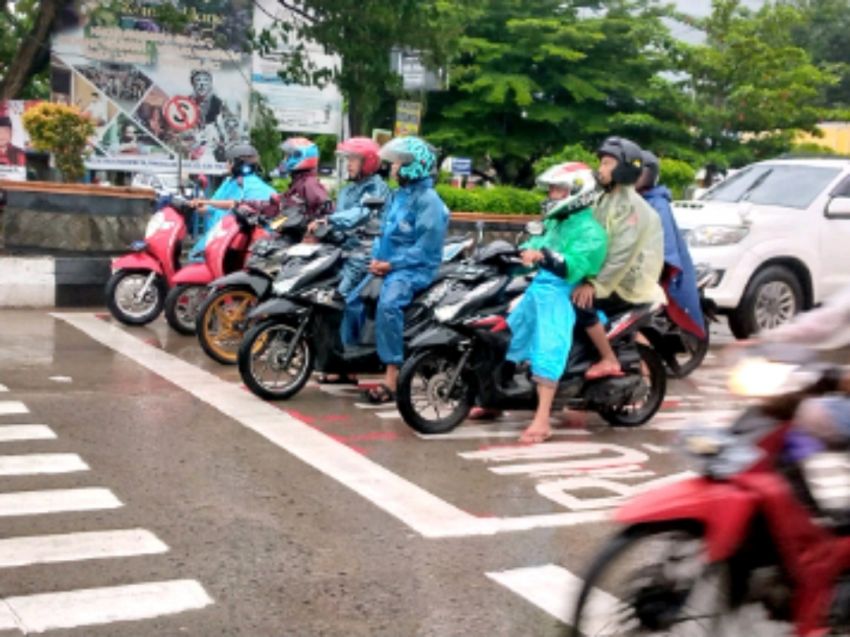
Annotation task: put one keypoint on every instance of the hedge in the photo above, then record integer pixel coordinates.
(505, 200)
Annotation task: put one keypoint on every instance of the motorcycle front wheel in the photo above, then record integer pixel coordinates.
(221, 320)
(124, 298)
(654, 580)
(181, 307)
(424, 397)
(263, 363)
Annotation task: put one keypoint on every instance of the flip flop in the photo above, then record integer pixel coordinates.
(600, 370)
(380, 395)
(341, 379)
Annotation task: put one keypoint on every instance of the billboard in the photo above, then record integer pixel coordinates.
(159, 77)
(14, 140)
(298, 109)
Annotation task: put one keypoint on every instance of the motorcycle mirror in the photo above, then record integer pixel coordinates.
(534, 228)
(373, 203)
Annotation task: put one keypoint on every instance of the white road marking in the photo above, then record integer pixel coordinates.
(471, 432)
(70, 547)
(11, 433)
(8, 407)
(3, 388)
(656, 448)
(424, 512)
(388, 415)
(57, 501)
(61, 379)
(369, 406)
(94, 606)
(35, 463)
(553, 589)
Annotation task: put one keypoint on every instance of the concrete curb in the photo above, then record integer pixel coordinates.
(46, 281)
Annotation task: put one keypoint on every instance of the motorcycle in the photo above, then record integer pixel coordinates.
(461, 363)
(135, 292)
(682, 351)
(299, 329)
(226, 251)
(744, 542)
(221, 318)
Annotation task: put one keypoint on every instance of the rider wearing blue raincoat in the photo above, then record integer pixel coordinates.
(243, 184)
(407, 255)
(362, 163)
(679, 276)
(572, 247)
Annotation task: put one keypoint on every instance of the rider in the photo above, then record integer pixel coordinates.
(301, 162)
(678, 278)
(243, 183)
(406, 255)
(635, 251)
(571, 249)
(363, 162)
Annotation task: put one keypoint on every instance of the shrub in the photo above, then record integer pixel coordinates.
(676, 175)
(499, 199)
(64, 131)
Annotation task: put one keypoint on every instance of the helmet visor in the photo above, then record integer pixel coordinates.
(396, 152)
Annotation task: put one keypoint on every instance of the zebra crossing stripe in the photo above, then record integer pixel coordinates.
(71, 547)
(57, 501)
(90, 607)
(10, 407)
(3, 388)
(36, 463)
(11, 433)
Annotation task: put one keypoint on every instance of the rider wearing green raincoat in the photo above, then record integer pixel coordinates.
(571, 249)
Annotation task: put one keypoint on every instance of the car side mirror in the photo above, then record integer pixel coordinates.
(838, 208)
(535, 228)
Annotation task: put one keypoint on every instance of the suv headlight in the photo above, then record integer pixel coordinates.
(704, 236)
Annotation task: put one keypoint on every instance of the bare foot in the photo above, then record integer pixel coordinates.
(536, 433)
(604, 369)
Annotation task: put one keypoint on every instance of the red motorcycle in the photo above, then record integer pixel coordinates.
(743, 546)
(135, 293)
(226, 251)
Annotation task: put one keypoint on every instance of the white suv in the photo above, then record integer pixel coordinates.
(772, 240)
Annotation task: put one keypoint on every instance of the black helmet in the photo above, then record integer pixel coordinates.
(629, 159)
(652, 169)
(243, 151)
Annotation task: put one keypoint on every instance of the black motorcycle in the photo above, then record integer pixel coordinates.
(461, 363)
(298, 331)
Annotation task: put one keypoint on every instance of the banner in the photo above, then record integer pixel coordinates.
(159, 79)
(14, 140)
(298, 109)
(407, 118)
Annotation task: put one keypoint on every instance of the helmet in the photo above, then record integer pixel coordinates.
(363, 147)
(416, 157)
(651, 168)
(629, 159)
(301, 154)
(574, 177)
(243, 151)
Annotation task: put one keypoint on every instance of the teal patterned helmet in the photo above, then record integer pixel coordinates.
(416, 157)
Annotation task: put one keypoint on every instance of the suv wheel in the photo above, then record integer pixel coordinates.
(773, 297)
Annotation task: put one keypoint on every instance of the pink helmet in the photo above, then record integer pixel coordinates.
(367, 149)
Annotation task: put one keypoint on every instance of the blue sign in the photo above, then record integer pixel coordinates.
(461, 166)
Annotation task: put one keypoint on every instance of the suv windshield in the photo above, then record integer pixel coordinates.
(791, 186)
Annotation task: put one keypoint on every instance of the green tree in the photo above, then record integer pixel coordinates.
(26, 26)
(532, 76)
(64, 131)
(362, 33)
(265, 136)
(749, 83)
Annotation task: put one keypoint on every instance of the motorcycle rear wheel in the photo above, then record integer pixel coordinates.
(422, 397)
(634, 415)
(685, 363)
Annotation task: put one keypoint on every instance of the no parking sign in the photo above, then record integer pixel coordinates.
(181, 113)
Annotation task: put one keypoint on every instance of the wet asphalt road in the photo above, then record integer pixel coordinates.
(332, 520)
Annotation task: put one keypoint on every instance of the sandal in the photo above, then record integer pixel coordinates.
(336, 379)
(380, 395)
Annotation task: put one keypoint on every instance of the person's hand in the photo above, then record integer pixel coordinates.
(583, 296)
(380, 268)
(314, 225)
(530, 257)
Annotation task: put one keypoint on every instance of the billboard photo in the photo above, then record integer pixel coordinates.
(14, 140)
(156, 88)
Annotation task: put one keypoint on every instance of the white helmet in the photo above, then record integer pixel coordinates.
(576, 178)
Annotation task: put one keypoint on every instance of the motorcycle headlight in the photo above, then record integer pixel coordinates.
(705, 236)
(450, 311)
(154, 224)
